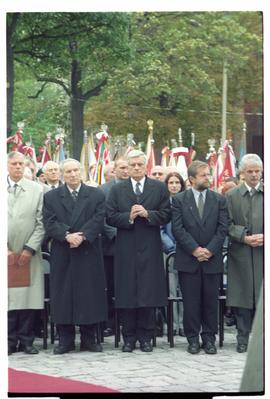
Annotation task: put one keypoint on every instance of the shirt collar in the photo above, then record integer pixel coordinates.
(134, 182)
(11, 182)
(250, 188)
(76, 189)
(197, 192)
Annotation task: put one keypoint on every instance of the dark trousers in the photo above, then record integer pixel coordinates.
(67, 334)
(200, 302)
(244, 318)
(21, 327)
(109, 273)
(138, 324)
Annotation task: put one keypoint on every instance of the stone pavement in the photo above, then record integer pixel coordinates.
(163, 370)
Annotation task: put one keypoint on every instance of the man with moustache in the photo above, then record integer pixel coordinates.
(199, 225)
(137, 207)
(73, 217)
(246, 248)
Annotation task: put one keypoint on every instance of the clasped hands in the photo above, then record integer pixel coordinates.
(24, 258)
(75, 239)
(202, 254)
(138, 210)
(254, 240)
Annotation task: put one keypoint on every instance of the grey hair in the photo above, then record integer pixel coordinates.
(250, 159)
(63, 163)
(14, 154)
(136, 154)
(49, 163)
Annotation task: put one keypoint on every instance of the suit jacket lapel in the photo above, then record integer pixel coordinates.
(66, 199)
(129, 191)
(79, 205)
(146, 190)
(208, 205)
(191, 205)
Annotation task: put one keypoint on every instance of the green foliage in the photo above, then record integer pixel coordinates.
(166, 66)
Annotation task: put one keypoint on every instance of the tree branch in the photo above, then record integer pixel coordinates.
(56, 81)
(39, 91)
(95, 91)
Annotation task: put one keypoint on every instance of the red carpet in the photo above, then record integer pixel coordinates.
(23, 381)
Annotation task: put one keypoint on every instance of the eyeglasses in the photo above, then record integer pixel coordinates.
(157, 174)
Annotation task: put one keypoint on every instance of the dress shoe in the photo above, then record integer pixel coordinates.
(146, 347)
(30, 350)
(241, 348)
(181, 332)
(91, 347)
(108, 332)
(209, 348)
(193, 348)
(61, 349)
(128, 347)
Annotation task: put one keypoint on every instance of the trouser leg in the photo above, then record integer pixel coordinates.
(190, 284)
(145, 324)
(12, 328)
(209, 319)
(244, 318)
(25, 327)
(128, 320)
(66, 334)
(88, 333)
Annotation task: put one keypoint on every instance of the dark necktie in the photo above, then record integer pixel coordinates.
(138, 191)
(200, 205)
(252, 191)
(15, 187)
(74, 195)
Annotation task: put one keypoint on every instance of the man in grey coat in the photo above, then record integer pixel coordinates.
(25, 234)
(137, 207)
(245, 254)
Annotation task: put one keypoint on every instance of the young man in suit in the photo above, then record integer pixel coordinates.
(73, 217)
(199, 224)
(137, 207)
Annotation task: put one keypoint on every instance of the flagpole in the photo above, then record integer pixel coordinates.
(224, 103)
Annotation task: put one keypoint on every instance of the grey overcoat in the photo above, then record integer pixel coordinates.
(25, 227)
(245, 264)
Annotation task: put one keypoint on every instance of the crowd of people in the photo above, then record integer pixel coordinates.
(108, 246)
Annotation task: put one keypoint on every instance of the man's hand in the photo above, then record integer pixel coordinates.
(138, 210)
(202, 254)
(254, 240)
(74, 239)
(25, 257)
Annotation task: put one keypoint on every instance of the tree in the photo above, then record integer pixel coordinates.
(76, 51)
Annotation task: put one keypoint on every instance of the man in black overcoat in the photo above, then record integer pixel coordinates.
(199, 224)
(138, 207)
(73, 216)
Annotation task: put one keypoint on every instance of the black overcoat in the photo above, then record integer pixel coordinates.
(190, 231)
(77, 280)
(139, 268)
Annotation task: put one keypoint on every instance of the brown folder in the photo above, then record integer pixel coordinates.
(18, 275)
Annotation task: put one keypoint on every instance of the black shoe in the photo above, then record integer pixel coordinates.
(241, 348)
(108, 332)
(30, 350)
(128, 347)
(92, 347)
(209, 348)
(193, 348)
(181, 332)
(61, 349)
(146, 347)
